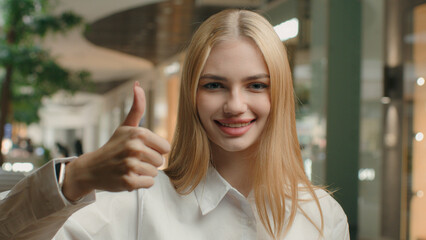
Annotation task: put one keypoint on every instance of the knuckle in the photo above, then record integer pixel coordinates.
(129, 165)
(147, 155)
(134, 131)
(158, 161)
(122, 169)
(165, 145)
(122, 130)
(128, 145)
(126, 184)
(151, 171)
(144, 133)
(157, 164)
(143, 153)
(149, 182)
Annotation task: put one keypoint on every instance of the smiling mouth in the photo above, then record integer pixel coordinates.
(235, 124)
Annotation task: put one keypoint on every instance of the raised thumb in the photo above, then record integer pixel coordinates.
(138, 107)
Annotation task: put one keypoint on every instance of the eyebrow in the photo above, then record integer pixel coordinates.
(249, 78)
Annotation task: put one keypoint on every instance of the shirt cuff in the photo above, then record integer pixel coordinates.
(44, 188)
(86, 199)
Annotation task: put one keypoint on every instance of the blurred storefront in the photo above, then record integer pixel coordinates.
(359, 72)
(414, 122)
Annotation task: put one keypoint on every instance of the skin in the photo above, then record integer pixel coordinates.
(233, 104)
(234, 86)
(128, 161)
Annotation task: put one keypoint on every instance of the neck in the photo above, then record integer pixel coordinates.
(234, 167)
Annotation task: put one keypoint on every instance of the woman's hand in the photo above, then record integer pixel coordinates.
(128, 161)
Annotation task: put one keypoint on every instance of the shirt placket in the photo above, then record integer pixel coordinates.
(247, 218)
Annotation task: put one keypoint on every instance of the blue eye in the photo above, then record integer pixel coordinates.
(212, 85)
(258, 86)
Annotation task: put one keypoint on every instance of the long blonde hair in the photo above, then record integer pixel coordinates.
(278, 163)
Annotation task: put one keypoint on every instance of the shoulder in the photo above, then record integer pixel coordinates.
(330, 207)
(328, 204)
(335, 220)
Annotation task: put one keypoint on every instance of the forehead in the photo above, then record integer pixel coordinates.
(235, 56)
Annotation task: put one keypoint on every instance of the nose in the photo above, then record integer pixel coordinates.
(235, 103)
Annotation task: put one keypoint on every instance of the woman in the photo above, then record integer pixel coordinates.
(235, 169)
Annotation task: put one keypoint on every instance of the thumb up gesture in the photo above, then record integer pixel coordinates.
(128, 161)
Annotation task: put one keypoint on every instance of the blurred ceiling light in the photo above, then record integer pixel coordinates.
(172, 68)
(385, 100)
(7, 167)
(308, 168)
(6, 145)
(22, 167)
(366, 174)
(18, 167)
(161, 109)
(419, 137)
(288, 29)
(420, 81)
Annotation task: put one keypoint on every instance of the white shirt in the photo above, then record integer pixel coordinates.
(214, 210)
(9, 179)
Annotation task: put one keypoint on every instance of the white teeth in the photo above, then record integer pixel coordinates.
(235, 125)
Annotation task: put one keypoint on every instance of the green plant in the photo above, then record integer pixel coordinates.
(27, 71)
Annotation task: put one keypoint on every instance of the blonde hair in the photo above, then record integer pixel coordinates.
(278, 163)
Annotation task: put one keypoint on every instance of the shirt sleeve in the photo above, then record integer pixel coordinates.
(36, 208)
(341, 228)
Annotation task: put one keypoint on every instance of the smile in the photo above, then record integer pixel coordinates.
(235, 125)
(235, 128)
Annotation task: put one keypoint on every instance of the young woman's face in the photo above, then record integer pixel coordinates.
(233, 99)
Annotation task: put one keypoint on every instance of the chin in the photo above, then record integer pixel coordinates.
(234, 147)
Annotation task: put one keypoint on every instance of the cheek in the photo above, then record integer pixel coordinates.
(267, 107)
(263, 106)
(203, 107)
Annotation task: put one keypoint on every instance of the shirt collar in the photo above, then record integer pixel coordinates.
(211, 190)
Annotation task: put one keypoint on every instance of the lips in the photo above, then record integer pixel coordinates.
(234, 127)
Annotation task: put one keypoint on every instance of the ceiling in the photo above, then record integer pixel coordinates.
(128, 37)
(154, 32)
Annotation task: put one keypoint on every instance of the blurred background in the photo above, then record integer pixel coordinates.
(67, 68)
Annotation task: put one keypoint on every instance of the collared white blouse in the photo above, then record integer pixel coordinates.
(215, 210)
